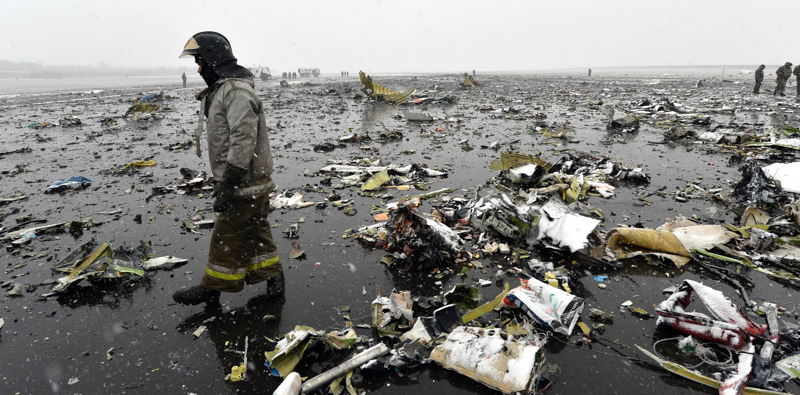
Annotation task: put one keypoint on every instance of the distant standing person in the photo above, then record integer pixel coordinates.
(797, 78)
(783, 73)
(590, 72)
(759, 78)
(183, 77)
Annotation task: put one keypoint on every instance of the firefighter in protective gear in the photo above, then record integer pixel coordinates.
(242, 250)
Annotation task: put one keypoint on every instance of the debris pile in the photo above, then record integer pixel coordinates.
(594, 194)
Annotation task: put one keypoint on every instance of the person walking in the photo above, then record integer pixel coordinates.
(783, 73)
(241, 249)
(590, 72)
(183, 77)
(796, 73)
(759, 78)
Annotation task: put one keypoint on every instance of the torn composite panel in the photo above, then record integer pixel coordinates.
(378, 92)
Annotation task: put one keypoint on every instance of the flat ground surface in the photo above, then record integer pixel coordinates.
(45, 343)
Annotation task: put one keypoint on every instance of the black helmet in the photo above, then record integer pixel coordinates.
(762, 66)
(212, 47)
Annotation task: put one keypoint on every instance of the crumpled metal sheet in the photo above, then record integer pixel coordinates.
(378, 92)
(757, 188)
(419, 241)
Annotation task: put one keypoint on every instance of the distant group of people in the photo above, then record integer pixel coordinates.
(289, 75)
(783, 73)
(345, 73)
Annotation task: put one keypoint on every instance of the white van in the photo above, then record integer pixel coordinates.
(259, 72)
(308, 72)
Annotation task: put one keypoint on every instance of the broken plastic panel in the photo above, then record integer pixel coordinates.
(788, 174)
(164, 263)
(389, 312)
(491, 358)
(563, 227)
(288, 351)
(447, 318)
(418, 116)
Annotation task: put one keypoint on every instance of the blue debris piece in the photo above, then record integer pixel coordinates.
(76, 182)
(153, 97)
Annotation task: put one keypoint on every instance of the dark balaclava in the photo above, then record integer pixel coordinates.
(212, 51)
(208, 74)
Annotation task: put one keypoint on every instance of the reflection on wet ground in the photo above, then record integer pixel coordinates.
(45, 343)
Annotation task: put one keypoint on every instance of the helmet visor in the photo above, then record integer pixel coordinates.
(190, 49)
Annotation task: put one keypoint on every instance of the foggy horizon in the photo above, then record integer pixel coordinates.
(39, 71)
(412, 36)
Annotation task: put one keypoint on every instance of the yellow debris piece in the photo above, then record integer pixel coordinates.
(237, 372)
(469, 81)
(510, 160)
(141, 107)
(378, 92)
(486, 307)
(141, 163)
(650, 239)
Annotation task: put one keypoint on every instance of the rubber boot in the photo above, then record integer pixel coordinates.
(276, 286)
(196, 295)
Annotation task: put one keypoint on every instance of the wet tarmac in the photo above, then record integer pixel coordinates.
(130, 337)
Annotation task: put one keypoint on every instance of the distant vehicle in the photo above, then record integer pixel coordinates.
(308, 72)
(259, 72)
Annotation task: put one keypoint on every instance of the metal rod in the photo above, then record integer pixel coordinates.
(323, 378)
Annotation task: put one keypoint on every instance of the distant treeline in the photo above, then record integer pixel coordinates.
(9, 69)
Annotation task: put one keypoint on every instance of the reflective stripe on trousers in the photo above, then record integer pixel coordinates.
(241, 250)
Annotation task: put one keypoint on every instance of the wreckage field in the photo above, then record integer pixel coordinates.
(532, 234)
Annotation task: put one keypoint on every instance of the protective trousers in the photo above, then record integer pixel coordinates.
(241, 250)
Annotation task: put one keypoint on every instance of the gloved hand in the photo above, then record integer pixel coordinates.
(230, 178)
(224, 197)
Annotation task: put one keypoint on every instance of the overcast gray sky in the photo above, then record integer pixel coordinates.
(410, 35)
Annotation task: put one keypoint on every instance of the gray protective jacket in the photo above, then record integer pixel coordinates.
(237, 134)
